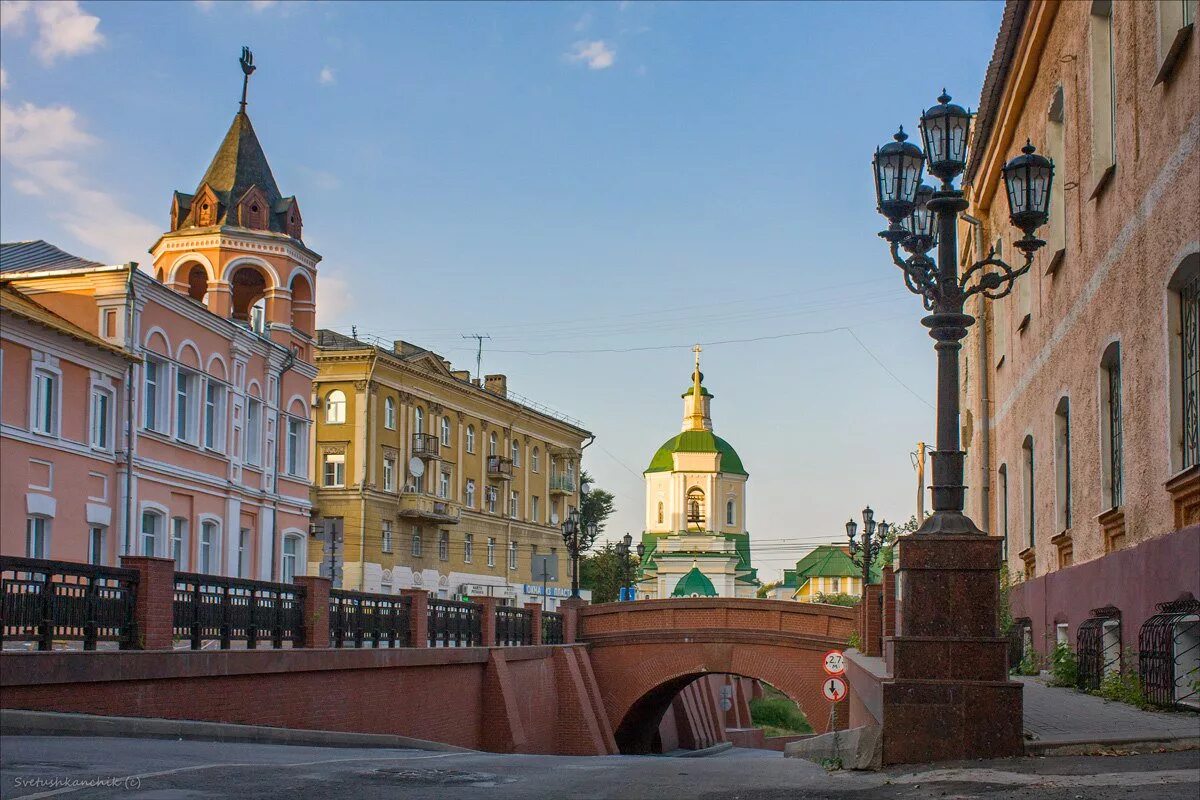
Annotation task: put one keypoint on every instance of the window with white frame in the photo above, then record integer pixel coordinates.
(291, 558)
(535, 459)
(179, 542)
(296, 447)
(335, 407)
(418, 420)
(389, 413)
(534, 510)
(45, 402)
(490, 498)
(514, 504)
(385, 536)
(445, 431)
(1056, 226)
(335, 469)
(444, 545)
(152, 523)
(1111, 438)
(1103, 90)
(254, 431)
(389, 473)
(187, 388)
(469, 547)
(512, 555)
(443, 489)
(100, 424)
(416, 541)
(37, 537)
(492, 444)
(836, 585)
(470, 493)
(214, 413)
(491, 551)
(470, 438)
(153, 398)
(207, 548)
(243, 553)
(96, 540)
(515, 449)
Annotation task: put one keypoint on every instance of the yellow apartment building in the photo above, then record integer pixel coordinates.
(426, 479)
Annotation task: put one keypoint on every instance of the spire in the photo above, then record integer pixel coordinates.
(247, 62)
(695, 400)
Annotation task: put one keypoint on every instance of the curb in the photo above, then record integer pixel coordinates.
(17, 722)
(1050, 747)
(719, 747)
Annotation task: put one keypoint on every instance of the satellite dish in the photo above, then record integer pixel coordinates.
(553, 517)
(416, 467)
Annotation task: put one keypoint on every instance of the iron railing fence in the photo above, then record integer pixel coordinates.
(552, 627)
(212, 608)
(453, 623)
(1169, 654)
(514, 626)
(362, 619)
(58, 603)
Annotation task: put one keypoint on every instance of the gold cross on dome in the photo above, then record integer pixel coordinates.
(696, 349)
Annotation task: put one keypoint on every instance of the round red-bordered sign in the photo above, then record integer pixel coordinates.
(834, 663)
(834, 689)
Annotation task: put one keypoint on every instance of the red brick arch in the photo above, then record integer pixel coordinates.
(644, 652)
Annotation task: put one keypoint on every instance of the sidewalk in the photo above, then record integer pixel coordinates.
(1056, 719)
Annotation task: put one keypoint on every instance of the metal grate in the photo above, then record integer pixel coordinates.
(514, 626)
(211, 608)
(362, 619)
(1189, 341)
(1115, 434)
(58, 603)
(552, 627)
(1169, 653)
(453, 623)
(1095, 659)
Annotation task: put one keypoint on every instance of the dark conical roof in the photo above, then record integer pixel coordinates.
(241, 163)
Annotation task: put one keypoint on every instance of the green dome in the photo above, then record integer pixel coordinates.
(694, 583)
(696, 442)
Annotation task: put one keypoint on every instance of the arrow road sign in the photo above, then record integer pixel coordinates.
(835, 689)
(834, 664)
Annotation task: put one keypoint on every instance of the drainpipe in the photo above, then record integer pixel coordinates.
(985, 398)
(130, 422)
(288, 361)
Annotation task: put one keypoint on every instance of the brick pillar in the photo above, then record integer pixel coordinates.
(872, 617)
(316, 609)
(487, 621)
(570, 611)
(154, 610)
(418, 617)
(535, 615)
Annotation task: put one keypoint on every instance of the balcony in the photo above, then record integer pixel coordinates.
(562, 484)
(422, 506)
(426, 446)
(499, 468)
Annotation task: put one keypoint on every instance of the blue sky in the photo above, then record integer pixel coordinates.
(588, 177)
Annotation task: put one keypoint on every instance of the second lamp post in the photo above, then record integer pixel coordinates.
(623, 547)
(578, 537)
(873, 539)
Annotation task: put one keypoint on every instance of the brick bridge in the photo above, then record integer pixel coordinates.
(644, 653)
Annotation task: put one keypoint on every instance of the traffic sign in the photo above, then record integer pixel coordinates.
(835, 663)
(835, 689)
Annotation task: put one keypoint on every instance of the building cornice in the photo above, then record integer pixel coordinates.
(240, 239)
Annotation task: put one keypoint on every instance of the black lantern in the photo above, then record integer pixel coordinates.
(1027, 180)
(851, 529)
(868, 517)
(945, 129)
(898, 167)
(922, 232)
(641, 551)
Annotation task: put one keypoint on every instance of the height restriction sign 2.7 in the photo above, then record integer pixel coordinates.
(834, 664)
(834, 689)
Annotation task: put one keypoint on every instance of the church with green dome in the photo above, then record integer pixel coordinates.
(695, 536)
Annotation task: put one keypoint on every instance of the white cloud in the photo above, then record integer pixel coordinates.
(326, 77)
(597, 54)
(42, 146)
(583, 22)
(262, 5)
(3, 78)
(206, 5)
(64, 29)
(12, 14)
(334, 299)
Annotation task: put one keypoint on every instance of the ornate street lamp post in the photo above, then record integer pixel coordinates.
(873, 539)
(623, 548)
(922, 218)
(578, 538)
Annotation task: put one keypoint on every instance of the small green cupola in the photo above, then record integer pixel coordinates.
(694, 584)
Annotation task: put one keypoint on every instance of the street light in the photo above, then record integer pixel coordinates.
(623, 548)
(578, 537)
(864, 555)
(945, 129)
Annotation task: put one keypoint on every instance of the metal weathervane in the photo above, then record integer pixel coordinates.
(247, 62)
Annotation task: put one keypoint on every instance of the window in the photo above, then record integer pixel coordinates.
(335, 469)
(1062, 463)
(535, 459)
(444, 545)
(95, 551)
(45, 402)
(36, 544)
(179, 543)
(335, 407)
(492, 445)
(151, 524)
(491, 551)
(385, 536)
(416, 541)
(490, 493)
(418, 420)
(835, 585)
(660, 512)
(515, 450)
(1000, 317)
(243, 553)
(206, 551)
(1027, 491)
(445, 432)
(514, 504)
(152, 412)
(291, 555)
(1175, 18)
(468, 547)
(258, 314)
(512, 555)
(1003, 511)
(389, 413)
(254, 413)
(534, 511)
(185, 405)
(1183, 319)
(730, 513)
(1056, 233)
(695, 506)
(295, 447)
(1104, 91)
(389, 473)
(214, 414)
(1111, 426)
(443, 489)
(470, 492)
(470, 438)
(101, 420)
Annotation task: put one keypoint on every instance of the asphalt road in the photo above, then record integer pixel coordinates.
(34, 767)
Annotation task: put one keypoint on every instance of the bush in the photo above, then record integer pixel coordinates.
(854, 640)
(1124, 686)
(836, 599)
(1064, 667)
(1029, 663)
(780, 713)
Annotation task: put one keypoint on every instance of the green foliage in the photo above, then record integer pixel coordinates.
(1029, 663)
(1006, 584)
(597, 507)
(836, 599)
(831, 764)
(1064, 667)
(766, 589)
(779, 713)
(1124, 685)
(854, 641)
(601, 573)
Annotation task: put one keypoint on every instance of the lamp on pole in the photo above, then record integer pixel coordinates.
(873, 539)
(578, 537)
(921, 218)
(623, 548)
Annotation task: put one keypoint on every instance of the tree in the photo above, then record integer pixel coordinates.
(765, 590)
(601, 572)
(597, 506)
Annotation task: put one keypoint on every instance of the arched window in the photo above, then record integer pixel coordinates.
(535, 459)
(492, 444)
(335, 407)
(389, 413)
(695, 507)
(197, 278)
(730, 513)
(445, 431)
(249, 287)
(1183, 326)
(470, 438)
(660, 512)
(418, 420)
(1062, 463)
(303, 317)
(1111, 442)
(515, 449)
(1027, 491)
(208, 548)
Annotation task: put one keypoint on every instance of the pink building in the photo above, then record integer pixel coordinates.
(215, 469)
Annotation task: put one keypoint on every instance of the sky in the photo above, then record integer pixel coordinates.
(596, 186)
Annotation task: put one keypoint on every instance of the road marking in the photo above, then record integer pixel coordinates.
(134, 781)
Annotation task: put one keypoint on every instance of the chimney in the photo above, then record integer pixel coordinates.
(496, 384)
(405, 349)
(461, 374)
